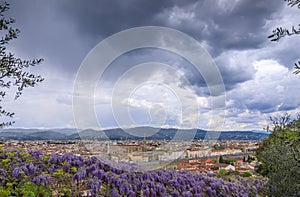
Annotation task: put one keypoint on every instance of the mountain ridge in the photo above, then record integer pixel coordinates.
(136, 133)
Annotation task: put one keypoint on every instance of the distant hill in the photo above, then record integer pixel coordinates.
(10, 135)
(22, 131)
(46, 135)
(261, 131)
(137, 133)
(88, 134)
(38, 135)
(65, 131)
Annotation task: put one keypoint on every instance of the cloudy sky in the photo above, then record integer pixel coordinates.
(257, 73)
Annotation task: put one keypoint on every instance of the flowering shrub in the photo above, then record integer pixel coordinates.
(37, 174)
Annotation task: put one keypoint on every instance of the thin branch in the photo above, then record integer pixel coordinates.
(293, 3)
(279, 33)
(297, 68)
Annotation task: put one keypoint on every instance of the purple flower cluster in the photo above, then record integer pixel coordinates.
(95, 177)
(42, 179)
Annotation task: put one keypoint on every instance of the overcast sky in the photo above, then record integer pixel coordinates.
(257, 73)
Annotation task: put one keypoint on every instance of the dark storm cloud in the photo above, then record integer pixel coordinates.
(65, 31)
(243, 27)
(104, 18)
(263, 107)
(231, 78)
(45, 34)
(228, 25)
(238, 26)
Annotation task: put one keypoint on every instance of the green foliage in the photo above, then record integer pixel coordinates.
(30, 189)
(4, 193)
(227, 161)
(280, 32)
(222, 173)
(46, 157)
(229, 174)
(279, 157)
(13, 73)
(74, 170)
(247, 174)
(221, 159)
(230, 161)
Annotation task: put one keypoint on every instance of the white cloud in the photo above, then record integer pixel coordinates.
(271, 90)
(47, 105)
(177, 16)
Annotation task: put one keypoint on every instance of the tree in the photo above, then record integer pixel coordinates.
(13, 72)
(221, 160)
(222, 173)
(279, 157)
(247, 174)
(280, 32)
